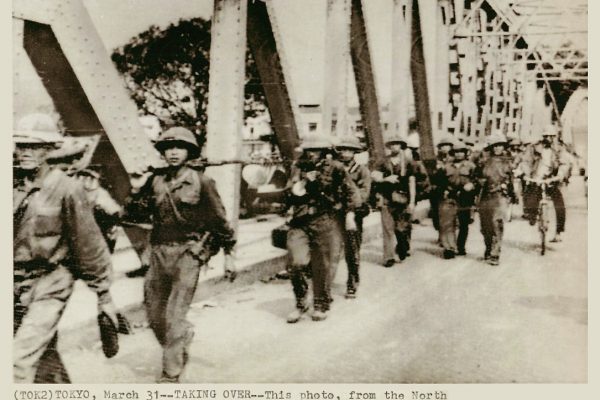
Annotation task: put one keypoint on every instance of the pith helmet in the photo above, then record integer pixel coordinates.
(413, 141)
(496, 138)
(178, 136)
(316, 142)
(446, 140)
(516, 142)
(459, 146)
(37, 128)
(349, 142)
(550, 130)
(395, 139)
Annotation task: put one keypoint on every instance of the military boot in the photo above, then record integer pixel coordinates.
(297, 314)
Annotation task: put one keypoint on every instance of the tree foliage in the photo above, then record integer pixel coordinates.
(167, 70)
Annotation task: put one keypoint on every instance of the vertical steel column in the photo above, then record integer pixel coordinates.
(401, 43)
(428, 21)
(419, 79)
(335, 95)
(365, 84)
(442, 67)
(226, 100)
(262, 42)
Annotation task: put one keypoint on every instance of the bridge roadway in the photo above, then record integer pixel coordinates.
(426, 320)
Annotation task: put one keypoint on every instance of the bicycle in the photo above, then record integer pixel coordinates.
(543, 213)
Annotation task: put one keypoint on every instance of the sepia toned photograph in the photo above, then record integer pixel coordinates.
(300, 191)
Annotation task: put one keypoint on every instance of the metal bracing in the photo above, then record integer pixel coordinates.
(88, 93)
(400, 80)
(270, 62)
(337, 57)
(365, 83)
(419, 79)
(226, 100)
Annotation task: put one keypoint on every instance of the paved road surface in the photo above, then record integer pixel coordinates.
(426, 320)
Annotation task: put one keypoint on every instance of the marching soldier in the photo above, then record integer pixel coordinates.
(495, 176)
(456, 183)
(55, 242)
(443, 156)
(323, 200)
(395, 182)
(361, 176)
(189, 227)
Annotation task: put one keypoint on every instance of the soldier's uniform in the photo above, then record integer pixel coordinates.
(189, 227)
(436, 194)
(361, 176)
(397, 197)
(457, 184)
(321, 194)
(495, 176)
(55, 242)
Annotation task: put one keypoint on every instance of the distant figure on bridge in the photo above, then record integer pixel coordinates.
(322, 202)
(189, 227)
(457, 184)
(360, 174)
(422, 181)
(549, 161)
(496, 182)
(395, 182)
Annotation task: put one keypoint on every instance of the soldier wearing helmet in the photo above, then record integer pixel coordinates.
(496, 180)
(394, 181)
(457, 185)
(361, 176)
(189, 227)
(56, 241)
(322, 202)
(549, 160)
(443, 156)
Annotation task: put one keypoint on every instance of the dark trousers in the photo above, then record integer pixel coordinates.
(492, 213)
(453, 217)
(531, 200)
(402, 229)
(316, 245)
(168, 293)
(352, 243)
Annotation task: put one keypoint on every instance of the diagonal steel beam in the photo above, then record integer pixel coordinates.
(365, 83)
(263, 45)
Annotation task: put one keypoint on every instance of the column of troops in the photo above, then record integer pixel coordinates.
(64, 225)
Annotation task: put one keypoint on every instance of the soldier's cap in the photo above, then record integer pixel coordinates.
(496, 138)
(69, 151)
(516, 142)
(316, 142)
(446, 140)
(178, 137)
(460, 146)
(395, 139)
(93, 170)
(550, 130)
(349, 142)
(37, 129)
(413, 141)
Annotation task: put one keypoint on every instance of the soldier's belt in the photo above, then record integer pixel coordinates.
(32, 269)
